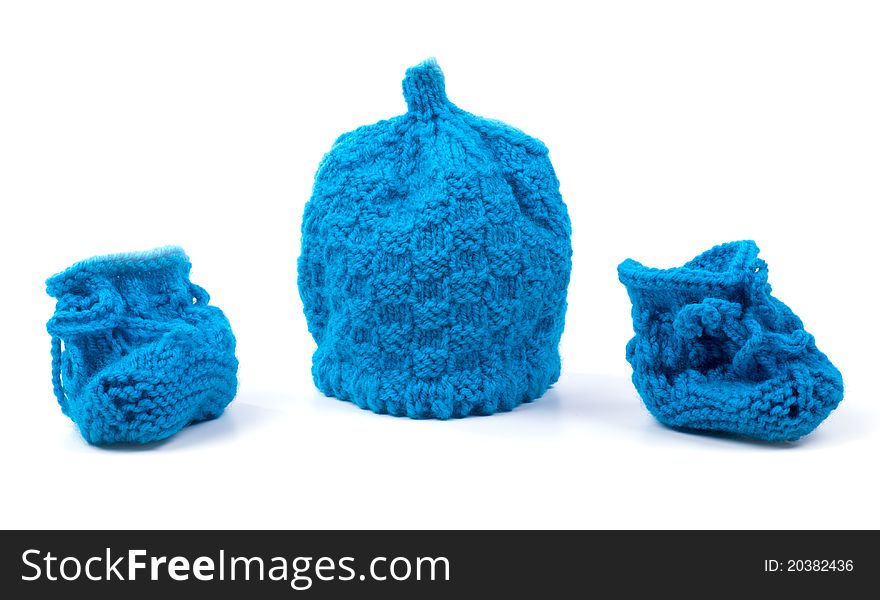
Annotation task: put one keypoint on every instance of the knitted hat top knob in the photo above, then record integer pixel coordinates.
(424, 88)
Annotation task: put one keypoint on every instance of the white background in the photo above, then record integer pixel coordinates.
(672, 126)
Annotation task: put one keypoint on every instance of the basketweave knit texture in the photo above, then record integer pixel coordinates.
(714, 350)
(137, 353)
(435, 260)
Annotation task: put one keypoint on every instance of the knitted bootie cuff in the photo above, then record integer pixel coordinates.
(714, 350)
(719, 270)
(137, 353)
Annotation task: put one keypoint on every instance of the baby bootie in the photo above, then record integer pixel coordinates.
(435, 260)
(714, 351)
(137, 353)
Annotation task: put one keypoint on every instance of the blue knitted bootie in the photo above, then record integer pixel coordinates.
(137, 353)
(715, 351)
(435, 260)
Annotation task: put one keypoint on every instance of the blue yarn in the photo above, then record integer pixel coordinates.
(713, 350)
(137, 353)
(435, 260)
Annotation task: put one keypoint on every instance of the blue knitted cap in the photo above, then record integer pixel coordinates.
(137, 352)
(435, 260)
